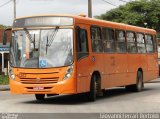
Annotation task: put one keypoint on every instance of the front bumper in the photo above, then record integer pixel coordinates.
(62, 87)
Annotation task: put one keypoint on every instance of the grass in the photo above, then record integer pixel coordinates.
(4, 80)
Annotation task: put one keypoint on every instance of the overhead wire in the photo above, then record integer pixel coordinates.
(5, 3)
(123, 1)
(109, 3)
(114, 4)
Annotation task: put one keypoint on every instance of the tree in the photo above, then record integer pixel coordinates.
(143, 13)
(3, 26)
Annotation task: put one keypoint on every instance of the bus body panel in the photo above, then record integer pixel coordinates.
(121, 69)
(133, 66)
(39, 81)
(152, 71)
(109, 69)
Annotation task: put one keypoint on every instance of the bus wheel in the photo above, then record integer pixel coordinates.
(139, 83)
(40, 97)
(93, 88)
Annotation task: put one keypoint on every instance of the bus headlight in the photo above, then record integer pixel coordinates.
(11, 74)
(69, 72)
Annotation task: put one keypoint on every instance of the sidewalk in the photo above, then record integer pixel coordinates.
(155, 81)
(4, 87)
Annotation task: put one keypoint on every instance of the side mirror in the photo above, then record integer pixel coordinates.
(4, 38)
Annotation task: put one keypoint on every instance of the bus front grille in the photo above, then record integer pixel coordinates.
(39, 80)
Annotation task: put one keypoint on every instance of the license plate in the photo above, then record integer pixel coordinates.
(38, 88)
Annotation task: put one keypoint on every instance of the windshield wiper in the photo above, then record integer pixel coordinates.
(47, 46)
(51, 38)
(28, 34)
(30, 37)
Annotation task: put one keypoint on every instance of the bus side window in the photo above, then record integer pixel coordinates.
(120, 43)
(149, 43)
(96, 39)
(155, 43)
(131, 42)
(140, 43)
(82, 43)
(108, 39)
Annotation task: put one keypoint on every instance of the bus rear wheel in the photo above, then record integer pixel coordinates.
(40, 97)
(139, 83)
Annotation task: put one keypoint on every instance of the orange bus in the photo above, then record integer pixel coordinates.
(67, 54)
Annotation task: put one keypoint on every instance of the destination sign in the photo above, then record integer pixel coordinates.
(44, 21)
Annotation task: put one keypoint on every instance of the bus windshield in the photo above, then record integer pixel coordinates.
(41, 48)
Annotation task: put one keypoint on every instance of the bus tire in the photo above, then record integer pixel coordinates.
(40, 97)
(93, 88)
(139, 83)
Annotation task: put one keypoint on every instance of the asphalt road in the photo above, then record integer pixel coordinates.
(116, 100)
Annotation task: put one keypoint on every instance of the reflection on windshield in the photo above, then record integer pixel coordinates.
(34, 51)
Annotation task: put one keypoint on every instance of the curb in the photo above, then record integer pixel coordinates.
(154, 81)
(4, 87)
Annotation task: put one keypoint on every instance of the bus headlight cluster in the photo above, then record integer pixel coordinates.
(11, 74)
(69, 72)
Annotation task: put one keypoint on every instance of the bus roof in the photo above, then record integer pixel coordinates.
(97, 22)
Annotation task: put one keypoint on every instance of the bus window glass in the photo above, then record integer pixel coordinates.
(140, 43)
(149, 43)
(42, 48)
(96, 39)
(131, 44)
(120, 43)
(108, 40)
(82, 43)
(155, 43)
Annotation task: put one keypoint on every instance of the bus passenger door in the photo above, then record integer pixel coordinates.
(83, 59)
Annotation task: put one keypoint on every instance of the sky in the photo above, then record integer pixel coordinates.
(36, 7)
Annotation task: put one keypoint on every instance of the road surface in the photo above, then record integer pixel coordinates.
(115, 101)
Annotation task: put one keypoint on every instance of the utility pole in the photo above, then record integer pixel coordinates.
(14, 9)
(90, 8)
